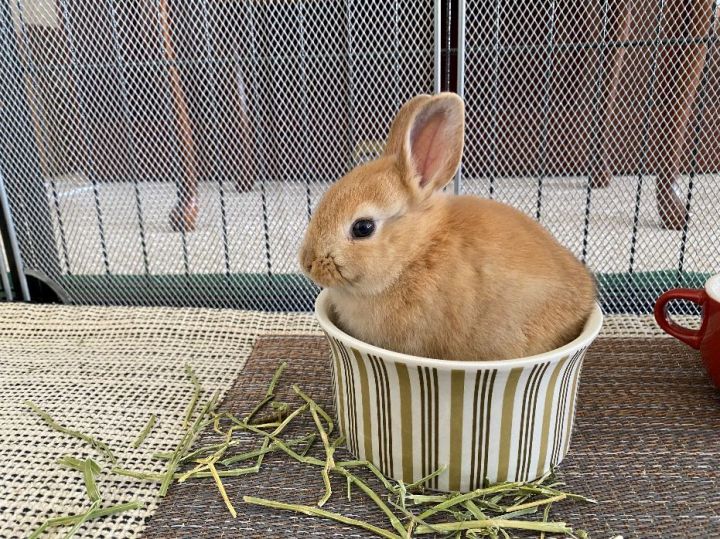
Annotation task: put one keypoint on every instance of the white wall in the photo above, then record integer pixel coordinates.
(35, 12)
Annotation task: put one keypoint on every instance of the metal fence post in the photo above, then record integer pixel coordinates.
(437, 46)
(7, 229)
(460, 76)
(7, 289)
(23, 183)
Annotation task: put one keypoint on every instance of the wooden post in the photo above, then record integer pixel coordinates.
(183, 216)
(246, 169)
(691, 63)
(602, 171)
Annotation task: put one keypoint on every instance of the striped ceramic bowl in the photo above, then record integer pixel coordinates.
(507, 420)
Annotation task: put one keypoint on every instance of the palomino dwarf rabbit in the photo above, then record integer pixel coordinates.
(418, 271)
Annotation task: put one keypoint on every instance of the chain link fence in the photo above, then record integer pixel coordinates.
(602, 120)
(170, 152)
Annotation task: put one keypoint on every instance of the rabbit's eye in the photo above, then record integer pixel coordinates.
(363, 228)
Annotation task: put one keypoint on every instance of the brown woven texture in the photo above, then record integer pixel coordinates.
(646, 444)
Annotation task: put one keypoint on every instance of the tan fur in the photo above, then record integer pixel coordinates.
(450, 277)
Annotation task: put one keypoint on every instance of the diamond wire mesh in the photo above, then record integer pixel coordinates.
(121, 120)
(583, 114)
(244, 110)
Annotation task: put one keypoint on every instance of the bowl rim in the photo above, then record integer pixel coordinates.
(587, 336)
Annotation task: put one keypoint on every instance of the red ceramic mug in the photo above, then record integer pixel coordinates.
(707, 338)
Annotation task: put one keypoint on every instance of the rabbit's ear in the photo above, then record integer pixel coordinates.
(428, 140)
(399, 128)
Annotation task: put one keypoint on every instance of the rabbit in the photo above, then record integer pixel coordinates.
(412, 269)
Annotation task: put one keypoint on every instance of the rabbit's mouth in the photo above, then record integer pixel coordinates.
(327, 273)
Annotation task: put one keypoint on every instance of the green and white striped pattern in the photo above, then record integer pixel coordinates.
(500, 424)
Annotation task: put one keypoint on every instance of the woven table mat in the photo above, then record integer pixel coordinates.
(646, 445)
(104, 371)
(646, 433)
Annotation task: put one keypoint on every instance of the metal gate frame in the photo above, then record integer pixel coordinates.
(268, 288)
(449, 53)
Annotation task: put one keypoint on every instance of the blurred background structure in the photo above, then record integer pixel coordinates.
(168, 152)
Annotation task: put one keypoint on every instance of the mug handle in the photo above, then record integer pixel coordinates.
(688, 336)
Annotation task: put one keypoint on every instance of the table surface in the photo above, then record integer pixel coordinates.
(646, 445)
(646, 441)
